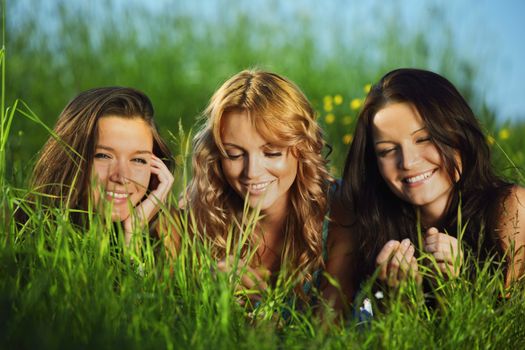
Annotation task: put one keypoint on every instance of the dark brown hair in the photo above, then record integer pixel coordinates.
(379, 214)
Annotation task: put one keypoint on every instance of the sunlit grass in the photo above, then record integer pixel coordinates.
(64, 286)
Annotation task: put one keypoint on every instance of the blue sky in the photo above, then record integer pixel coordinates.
(487, 32)
(491, 32)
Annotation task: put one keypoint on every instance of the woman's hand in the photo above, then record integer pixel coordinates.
(446, 250)
(252, 282)
(397, 262)
(146, 209)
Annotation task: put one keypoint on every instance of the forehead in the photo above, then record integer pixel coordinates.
(124, 131)
(395, 120)
(238, 128)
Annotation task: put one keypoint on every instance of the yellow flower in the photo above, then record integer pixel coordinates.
(504, 134)
(347, 139)
(328, 100)
(490, 140)
(338, 99)
(328, 107)
(347, 120)
(367, 88)
(356, 103)
(330, 118)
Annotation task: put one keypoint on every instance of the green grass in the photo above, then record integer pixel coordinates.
(63, 286)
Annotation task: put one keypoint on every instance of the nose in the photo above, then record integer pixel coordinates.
(253, 165)
(408, 157)
(119, 173)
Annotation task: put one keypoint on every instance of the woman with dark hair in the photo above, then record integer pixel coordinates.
(418, 158)
(105, 153)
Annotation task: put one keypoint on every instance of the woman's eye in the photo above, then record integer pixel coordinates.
(233, 156)
(140, 160)
(102, 156)
(424, 139)
(273, 154)
(384, 152)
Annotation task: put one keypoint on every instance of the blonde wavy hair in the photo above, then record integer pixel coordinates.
(282, 115)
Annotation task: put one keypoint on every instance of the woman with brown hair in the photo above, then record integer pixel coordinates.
(105, 153)
(260, 150)
(418, 158)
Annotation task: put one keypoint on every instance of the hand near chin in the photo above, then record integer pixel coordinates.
(252, 281)
(397, 263)
(147, 209)
(446, 250)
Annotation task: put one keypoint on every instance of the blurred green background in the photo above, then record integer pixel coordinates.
(179, 52)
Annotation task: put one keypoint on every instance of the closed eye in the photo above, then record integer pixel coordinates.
(424, 139)
(233, 156)
(384, 152)
(273, 154)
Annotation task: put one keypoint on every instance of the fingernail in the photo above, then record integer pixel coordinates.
(406, 242)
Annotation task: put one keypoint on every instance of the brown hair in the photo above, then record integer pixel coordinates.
(62, 173)
(379, 214)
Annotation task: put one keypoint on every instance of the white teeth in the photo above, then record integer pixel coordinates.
(259, 186)
(117, 195)
(418, 178)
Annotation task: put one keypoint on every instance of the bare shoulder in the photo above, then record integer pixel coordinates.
(514, 203)
(512, 216)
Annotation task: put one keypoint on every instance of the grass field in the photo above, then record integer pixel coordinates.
(62, 286)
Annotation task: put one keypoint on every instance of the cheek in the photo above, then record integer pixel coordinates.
(230, 169)
(284, 168)
(141, 177)
(99, 172)
(386, 170)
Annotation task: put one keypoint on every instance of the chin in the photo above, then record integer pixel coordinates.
(119, 217)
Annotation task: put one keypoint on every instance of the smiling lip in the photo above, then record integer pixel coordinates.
(418, 179)
(117, 196)
(257, 188)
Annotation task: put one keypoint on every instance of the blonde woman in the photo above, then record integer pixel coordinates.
(262, 146)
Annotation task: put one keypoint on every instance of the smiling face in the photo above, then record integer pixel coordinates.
(255, 167)
(121, 164)
(409, 161)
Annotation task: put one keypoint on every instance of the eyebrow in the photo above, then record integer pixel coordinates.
(268, 144)
(411, 134)
(107, 148)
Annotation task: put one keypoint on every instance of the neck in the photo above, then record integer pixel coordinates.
(433, 213)
(273, 224)
(272, 227)
(432, 216)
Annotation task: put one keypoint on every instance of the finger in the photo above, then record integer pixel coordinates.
(384, 256)
(435, 237)
(414, 270)
(446, 268)
(404, 264)
(432, 231)
(396, 263)
(163, 174)
(264, 273)
(223, 266)
(444, 249)
(251, 280)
